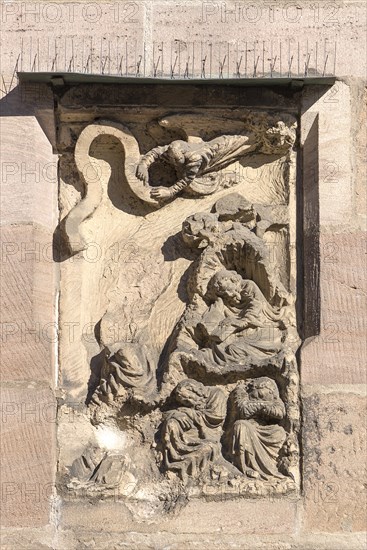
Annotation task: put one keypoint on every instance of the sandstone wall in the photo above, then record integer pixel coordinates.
(57, 36)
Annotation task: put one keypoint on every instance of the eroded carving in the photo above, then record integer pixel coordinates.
(238, 330)
(98, 471)
(130, 367)
(191, 432)
(218, 403)
(95, 174)
(255, 437)
(240, 316)
(239, 322)
(196, 164)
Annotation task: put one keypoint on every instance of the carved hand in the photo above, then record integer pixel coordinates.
(161, 193)
(142, 172)
(181, 417)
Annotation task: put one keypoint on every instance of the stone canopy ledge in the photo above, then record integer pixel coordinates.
(69, 79)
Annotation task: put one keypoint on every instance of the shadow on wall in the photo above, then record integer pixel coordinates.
(32, 100)
(308, 235)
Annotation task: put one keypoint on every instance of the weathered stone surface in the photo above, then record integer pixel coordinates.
(334, 442)
(359, 121)
(337, 355)
(49, 538)
(28, 457)
(28, 172)
(236, 517)
(193, 27)
(332, 166)
(192, 31)
(27, 538)
(60, 37)
(137, 541)
(28, 324)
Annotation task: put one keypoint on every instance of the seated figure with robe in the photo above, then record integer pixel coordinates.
(255, 437)
(191, 433)
(239, 328)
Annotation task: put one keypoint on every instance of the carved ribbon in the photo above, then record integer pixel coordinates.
(95, 173)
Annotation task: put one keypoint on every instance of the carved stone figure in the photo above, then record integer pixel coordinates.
(239, 326)
(255, 437)
(191, 433)
(84, 466)
(239, 316)
(195, 163)
(98, 470)
(232, 236)
(131, 366)
(192, 161)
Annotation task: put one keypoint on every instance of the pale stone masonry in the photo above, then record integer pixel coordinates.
(44, 371)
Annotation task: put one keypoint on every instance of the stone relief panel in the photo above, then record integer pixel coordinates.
(178, 327)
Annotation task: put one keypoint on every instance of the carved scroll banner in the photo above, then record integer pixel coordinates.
(178, 325)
